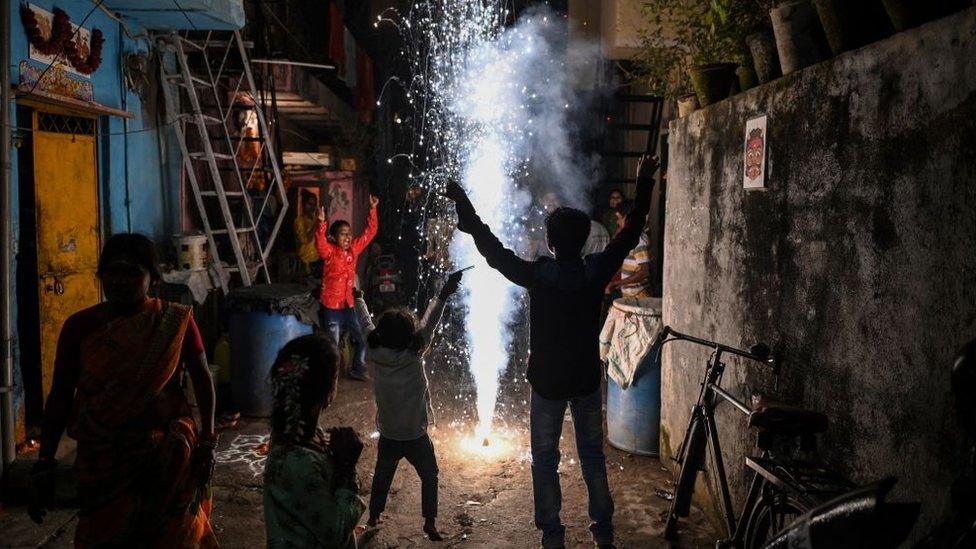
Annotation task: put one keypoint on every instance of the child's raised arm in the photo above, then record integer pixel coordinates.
(372, 225)
(435, 309)
(322, 244)
(500, 258)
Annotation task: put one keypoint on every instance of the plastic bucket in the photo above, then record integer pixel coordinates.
(192, 252)
(634, 414)
(255, 339)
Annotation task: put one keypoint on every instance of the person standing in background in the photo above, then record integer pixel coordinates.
(609, 217)
(635, 272)
(304, 230)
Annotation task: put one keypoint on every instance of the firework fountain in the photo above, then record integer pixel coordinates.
(490, 107)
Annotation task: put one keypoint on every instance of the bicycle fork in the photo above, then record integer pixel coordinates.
(692, 459)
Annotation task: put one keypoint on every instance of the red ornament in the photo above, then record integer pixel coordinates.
(61, 40)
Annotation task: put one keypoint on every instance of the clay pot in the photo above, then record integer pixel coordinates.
(851, 25)
(713, 82)
(765, 60)
(687, 104)
(800, 40)
(747, 77)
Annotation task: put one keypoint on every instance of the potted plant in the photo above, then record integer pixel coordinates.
(691, 37)
(662, 64)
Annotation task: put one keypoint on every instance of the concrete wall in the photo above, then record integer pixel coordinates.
(857, 266)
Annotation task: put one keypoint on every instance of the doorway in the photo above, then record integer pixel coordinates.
(59, 239)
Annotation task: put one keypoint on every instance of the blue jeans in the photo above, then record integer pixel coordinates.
(546, 426)
(420, 453)
(338, 319)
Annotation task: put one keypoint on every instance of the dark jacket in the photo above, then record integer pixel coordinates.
(565, 298)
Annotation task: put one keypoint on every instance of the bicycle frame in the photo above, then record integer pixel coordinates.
(692, 450)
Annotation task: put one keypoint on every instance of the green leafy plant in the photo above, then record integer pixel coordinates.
(682, 34)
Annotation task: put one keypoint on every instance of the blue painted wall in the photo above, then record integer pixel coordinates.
(139, 191)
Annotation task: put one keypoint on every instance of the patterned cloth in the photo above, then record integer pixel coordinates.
(597, 241)
(135, 433)
(631, 327)
(639, 256)
(305, 505)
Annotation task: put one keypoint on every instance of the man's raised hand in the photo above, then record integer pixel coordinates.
(455, 192)
(646, 166)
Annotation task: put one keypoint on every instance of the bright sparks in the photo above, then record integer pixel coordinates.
(501, 445)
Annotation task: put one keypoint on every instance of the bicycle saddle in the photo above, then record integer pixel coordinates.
(783, 420)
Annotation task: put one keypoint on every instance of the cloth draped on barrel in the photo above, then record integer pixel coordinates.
(136, 436)
(631, 327)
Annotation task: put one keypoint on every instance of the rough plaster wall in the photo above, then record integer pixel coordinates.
(857, 266)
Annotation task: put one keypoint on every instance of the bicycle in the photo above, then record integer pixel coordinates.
(781, 490)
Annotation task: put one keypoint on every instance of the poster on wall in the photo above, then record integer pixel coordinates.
(80, 37)
(340, 194)
(754, 155)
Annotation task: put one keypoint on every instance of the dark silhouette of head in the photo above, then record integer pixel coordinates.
(398, 329)
(309, 201)
(623, 210)
(303, 374)
(127, 267)
(566, 232)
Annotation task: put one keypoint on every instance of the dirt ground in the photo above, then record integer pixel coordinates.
(484, 501)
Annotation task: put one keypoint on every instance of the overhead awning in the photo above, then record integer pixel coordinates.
(183, 15)
(42, 98)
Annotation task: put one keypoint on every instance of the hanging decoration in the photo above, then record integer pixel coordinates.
(85, 56)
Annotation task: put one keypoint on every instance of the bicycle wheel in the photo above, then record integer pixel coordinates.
(772, 512)
(684, 489)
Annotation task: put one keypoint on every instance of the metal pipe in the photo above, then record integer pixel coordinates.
(293, 63)
(7, 443)
(730, 399)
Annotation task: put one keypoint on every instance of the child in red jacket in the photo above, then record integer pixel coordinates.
(339, 253)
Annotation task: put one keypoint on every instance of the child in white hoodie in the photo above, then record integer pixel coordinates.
(397, 344)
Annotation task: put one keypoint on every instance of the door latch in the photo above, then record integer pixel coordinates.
(57, 286)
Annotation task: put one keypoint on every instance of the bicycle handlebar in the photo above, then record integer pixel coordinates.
(669, 334)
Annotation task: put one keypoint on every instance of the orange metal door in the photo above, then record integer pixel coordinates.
(66, 191)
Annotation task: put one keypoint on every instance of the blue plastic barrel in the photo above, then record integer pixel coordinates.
(255, 339)
(634, 413)
(263, 318)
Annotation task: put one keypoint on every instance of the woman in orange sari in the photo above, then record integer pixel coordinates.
(143, 466)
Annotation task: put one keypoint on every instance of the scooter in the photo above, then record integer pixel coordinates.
(386, 283)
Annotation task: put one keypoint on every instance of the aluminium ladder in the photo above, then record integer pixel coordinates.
(214, 84)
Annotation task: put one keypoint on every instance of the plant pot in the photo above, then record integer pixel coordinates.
(762, 46)
(850, 25)
(687, 104)
(747, 77)
(800, 40)
(713, 82)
